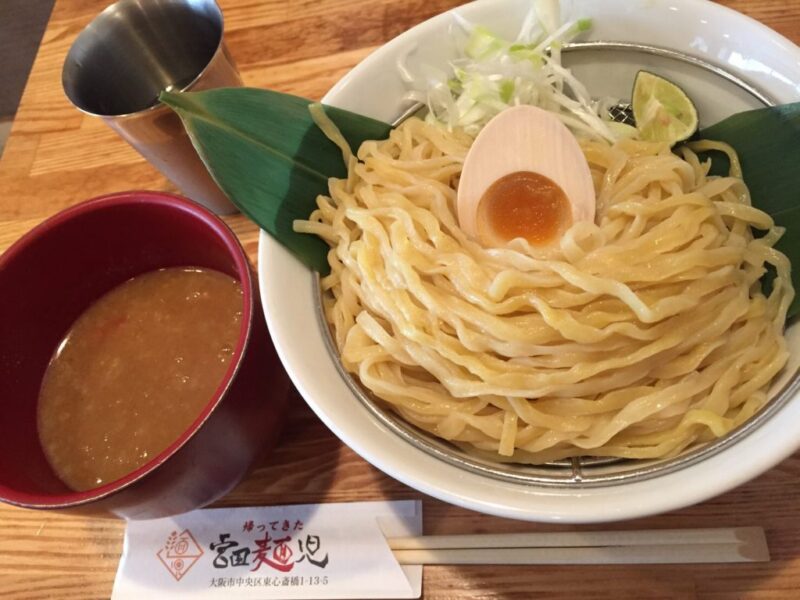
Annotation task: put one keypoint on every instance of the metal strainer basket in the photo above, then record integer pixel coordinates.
(581, 472)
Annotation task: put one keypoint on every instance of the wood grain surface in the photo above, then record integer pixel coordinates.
(56, 157)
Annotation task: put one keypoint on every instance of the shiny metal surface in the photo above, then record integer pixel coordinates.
(132, 51)
(135, 48)
(675, 55)
(580, 472)
(623, 113)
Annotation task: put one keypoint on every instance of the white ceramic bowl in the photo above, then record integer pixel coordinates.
(710, 32)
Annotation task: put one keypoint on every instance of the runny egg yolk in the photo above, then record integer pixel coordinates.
(523, 204)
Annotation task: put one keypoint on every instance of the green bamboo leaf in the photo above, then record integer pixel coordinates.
(265, 152)
(269, 157)
(768, 143)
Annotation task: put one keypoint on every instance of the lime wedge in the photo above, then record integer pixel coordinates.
(663, 111)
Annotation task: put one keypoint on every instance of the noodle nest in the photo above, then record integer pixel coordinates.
(635, 336)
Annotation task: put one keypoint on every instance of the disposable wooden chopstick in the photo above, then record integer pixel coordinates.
(743, 544)
(653, 537)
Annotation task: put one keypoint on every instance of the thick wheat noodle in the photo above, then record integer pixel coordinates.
(635, 336)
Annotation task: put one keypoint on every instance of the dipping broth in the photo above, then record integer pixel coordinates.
(135, 370)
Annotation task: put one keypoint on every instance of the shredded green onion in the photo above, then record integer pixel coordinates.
(494, 74)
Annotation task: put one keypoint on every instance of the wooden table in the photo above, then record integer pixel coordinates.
(56, 157)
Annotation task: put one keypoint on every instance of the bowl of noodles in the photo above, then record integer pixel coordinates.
(635, 367)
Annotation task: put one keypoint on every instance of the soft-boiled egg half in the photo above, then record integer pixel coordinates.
(525, 176)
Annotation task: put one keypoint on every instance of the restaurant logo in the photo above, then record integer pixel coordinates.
(179, 554)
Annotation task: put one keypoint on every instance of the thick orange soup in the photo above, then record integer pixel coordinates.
(135, 370)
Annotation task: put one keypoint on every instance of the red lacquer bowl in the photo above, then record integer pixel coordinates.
(51, 275)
